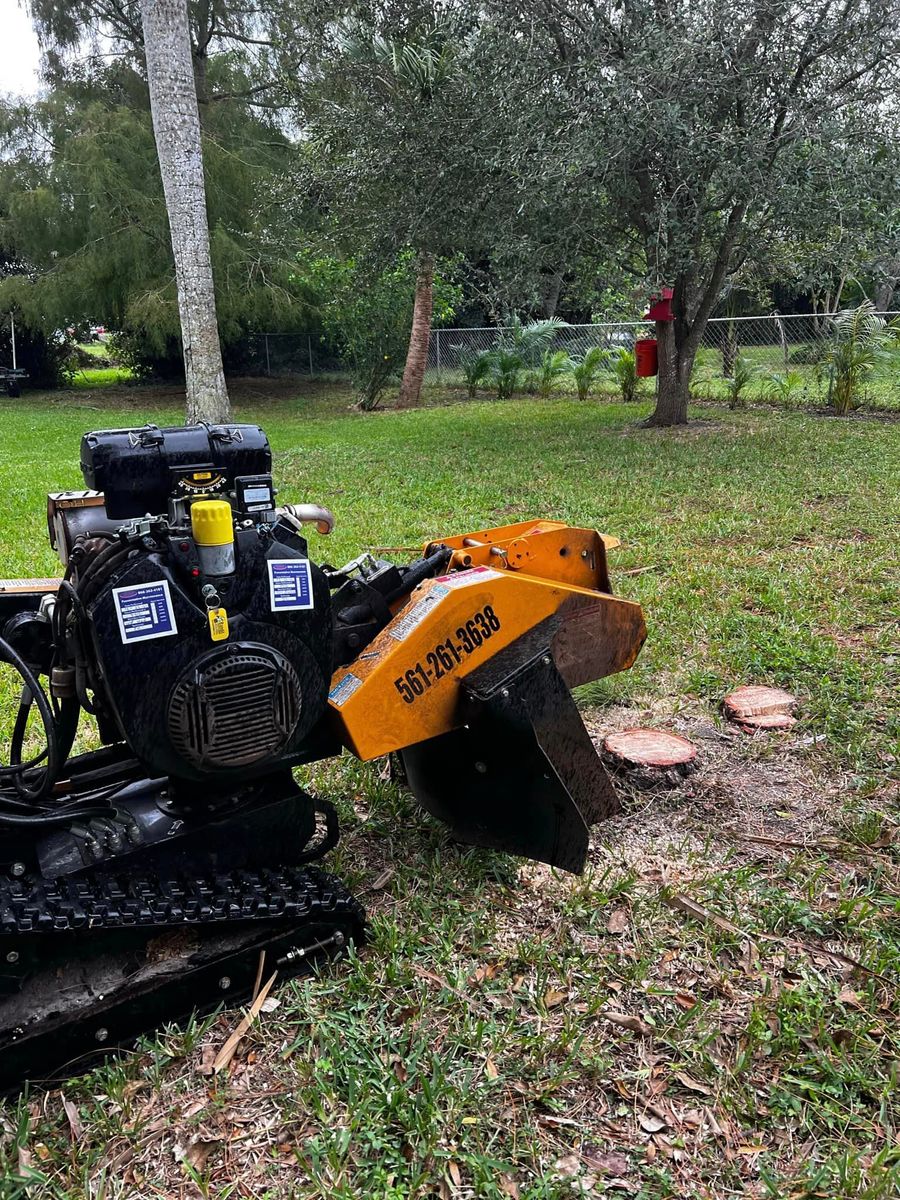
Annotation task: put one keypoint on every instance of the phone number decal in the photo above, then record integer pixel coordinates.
(447, 654)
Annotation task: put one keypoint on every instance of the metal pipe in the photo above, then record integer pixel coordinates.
(308, 514)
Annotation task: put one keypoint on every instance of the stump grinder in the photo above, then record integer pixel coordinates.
(155, 875)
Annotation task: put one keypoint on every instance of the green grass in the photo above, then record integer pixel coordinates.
(101, 377)
(465, 1052)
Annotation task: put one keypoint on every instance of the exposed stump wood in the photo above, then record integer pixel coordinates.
(650, 757)
(756, 707)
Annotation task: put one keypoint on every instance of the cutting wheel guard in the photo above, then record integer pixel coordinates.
(521, 774)
(470, 683)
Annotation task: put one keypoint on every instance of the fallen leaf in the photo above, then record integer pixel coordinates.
(455, 1174)
(72, 1116)
(685, 1000)
(488, 971)
(618, 921)
(197, 1154)
(269, 1004)
(693, 1085)
(607, 1162)
(568, 1166)
(25, 1160)
(626, 1021)
(385, 877)
(490, 1068)
(651, 1124)
(553, 998)
(849, 997)
(697, 911)
(509, 1187)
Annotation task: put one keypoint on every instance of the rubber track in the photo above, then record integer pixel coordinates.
(100, 901)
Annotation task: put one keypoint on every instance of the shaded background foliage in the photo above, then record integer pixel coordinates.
(556, 161)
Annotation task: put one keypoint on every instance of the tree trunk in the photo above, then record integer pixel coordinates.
(176, 126)
(551, 289)
(420, 335)
(673, 381)
(884, 294)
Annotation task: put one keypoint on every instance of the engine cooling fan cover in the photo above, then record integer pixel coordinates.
(235, 707)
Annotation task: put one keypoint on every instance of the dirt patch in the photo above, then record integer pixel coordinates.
(744, 784)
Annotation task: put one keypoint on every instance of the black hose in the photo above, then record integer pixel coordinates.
(45, 820)
(16, 770)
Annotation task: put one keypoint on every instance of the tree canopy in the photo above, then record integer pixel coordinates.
(552, 159)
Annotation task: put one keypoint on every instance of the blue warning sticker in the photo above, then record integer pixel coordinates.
(342, 691)
(144, 611)
(290, 584)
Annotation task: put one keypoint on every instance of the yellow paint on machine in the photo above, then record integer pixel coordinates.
(405, 686)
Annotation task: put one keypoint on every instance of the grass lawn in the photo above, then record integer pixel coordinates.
(711, 1009)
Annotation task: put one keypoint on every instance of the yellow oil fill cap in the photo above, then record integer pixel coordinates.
(211, 522)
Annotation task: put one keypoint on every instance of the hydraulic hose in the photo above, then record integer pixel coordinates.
(37, 696)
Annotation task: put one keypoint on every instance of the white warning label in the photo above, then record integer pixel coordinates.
(401, 627)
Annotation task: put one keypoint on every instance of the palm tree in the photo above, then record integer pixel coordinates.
(176, 127)
(861, 341)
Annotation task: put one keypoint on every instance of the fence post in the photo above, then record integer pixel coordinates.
(268, 368)
(437, 352)
(309, 350)
(784, 346)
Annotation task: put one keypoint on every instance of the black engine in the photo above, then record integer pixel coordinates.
(210, 632)
(193, 627)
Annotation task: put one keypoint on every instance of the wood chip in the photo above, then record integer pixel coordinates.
(684, 904)
(618, 921)
(226, 1054)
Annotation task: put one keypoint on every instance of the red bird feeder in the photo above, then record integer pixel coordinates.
(661, 306)
(645, 357)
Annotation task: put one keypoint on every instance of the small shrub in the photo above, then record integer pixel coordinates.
(506, 368)
(743, 373)
(784, 385)
(861, 341)
(584, 371)
(529, 340)
(476, 367)
(625, 371)
(554, 365)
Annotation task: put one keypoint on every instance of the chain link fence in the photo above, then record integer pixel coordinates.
(285, 354)
(780, 357)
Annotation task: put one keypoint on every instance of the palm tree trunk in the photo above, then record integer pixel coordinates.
(176, 126)
(420, 334)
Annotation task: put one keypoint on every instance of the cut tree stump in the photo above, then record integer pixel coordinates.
(650, 757)
(757, 707)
